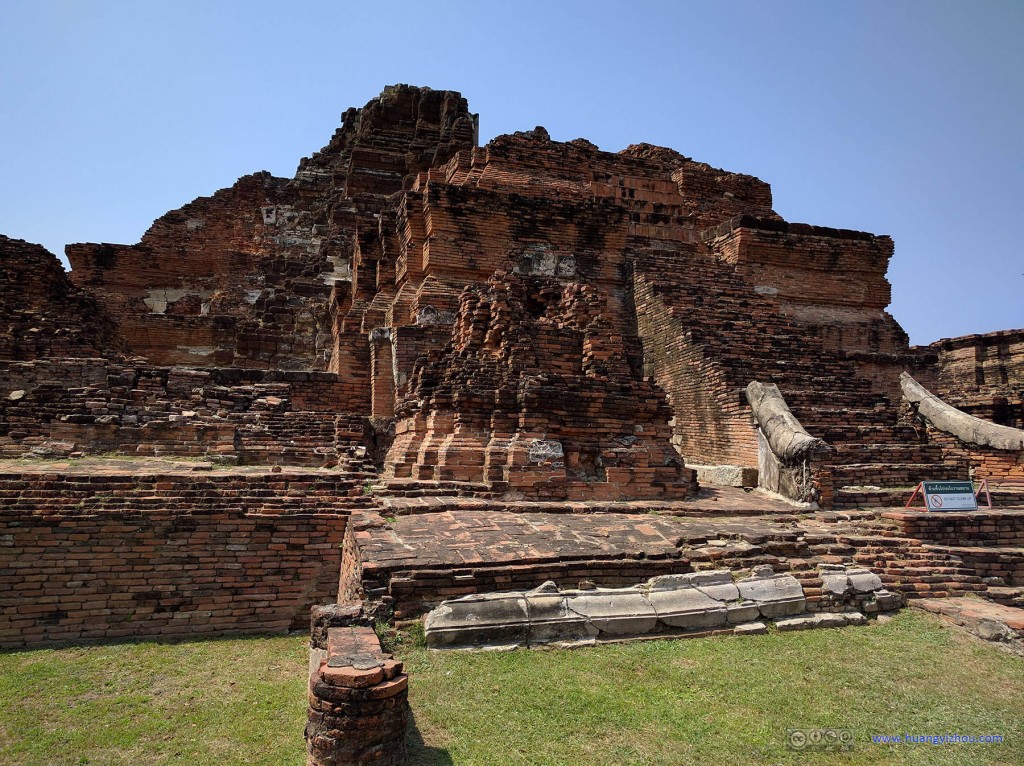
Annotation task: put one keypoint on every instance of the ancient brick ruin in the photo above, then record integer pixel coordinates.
(424, 368)
(358, 701)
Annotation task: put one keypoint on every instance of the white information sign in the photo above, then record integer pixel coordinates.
(949, 496)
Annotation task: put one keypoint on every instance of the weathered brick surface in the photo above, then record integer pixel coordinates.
(831, 349)
(42, 313)
(110, 554)
(984, 527)
(67, 406)
(540, 317)
(990, 542)
(982, 375)
(358, 703)
(521, 334)
(535, 394)
(1002, 468)
(409, 564)
(255, 275)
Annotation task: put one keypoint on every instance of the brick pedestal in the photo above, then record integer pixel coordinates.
(358, 703)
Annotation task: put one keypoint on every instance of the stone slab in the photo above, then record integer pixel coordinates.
(663, 605)
(726, 475)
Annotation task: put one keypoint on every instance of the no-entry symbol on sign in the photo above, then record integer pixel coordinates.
(949, 495)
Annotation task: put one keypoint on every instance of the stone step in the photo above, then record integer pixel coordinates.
(1006, 595)
(886, 452)
(838, 397)
(421, 488)
(938, 573)
(854, 475)
(903, 557)
(855, 433)
(818, 420)
(988, 620)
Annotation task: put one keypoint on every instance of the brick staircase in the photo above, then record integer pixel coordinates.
(291, 438)
(947, 555)
(874, 451)
(877, 457)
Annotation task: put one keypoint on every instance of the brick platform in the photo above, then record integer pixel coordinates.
(451, 546)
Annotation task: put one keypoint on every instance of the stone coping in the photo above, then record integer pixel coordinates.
(967, 428)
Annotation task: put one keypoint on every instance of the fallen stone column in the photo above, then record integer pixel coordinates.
(358, 702)
(693, 604)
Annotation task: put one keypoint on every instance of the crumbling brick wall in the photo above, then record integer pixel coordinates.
(982, 375)
(358, 702)
(535, 394)
(358, 266)
(255, 275)
(42, 313)
(65, 406)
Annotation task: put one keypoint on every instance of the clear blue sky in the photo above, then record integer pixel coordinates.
(900, 118)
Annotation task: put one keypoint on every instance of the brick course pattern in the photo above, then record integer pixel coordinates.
(358, 702)
(538, 332)
(98, 556)
(66, 406)
(43, 313)
(408, 564)
(983, 375)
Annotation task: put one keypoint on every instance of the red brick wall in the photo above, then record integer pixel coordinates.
(42, 313)
(91, 405)
(996, 465)
(982, 375)
(974, 528)
(711, 425)
(161, 564)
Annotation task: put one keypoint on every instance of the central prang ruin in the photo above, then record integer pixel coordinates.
(424, 368)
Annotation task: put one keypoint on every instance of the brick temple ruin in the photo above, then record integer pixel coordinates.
(424, 368)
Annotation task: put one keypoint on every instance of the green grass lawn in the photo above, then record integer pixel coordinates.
(704, 701)
(228, 701)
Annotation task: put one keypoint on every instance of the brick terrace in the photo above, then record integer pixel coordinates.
(410, 562)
